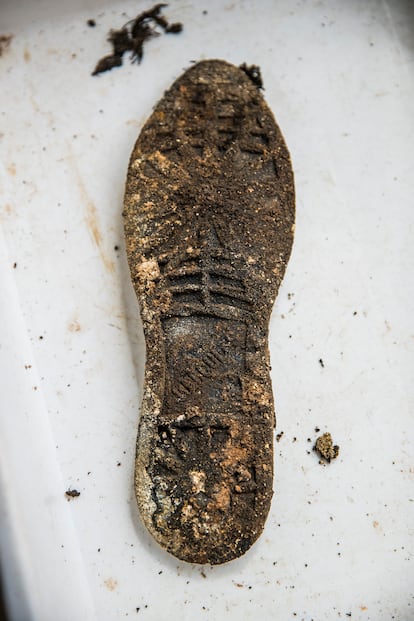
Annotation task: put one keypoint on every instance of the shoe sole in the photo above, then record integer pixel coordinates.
(209, 221)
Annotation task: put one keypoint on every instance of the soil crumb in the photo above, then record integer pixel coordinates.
(72, 493)
(326, 448)
(253, 72)
(132, 36)
(5, 41)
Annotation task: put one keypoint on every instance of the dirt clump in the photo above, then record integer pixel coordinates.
(325, 447)
(132, 36)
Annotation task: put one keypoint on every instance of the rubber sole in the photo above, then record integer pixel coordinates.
(209, 221)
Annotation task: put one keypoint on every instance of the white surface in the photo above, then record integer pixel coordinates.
(339, 78)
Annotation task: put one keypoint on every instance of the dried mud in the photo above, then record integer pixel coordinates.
(209, 224)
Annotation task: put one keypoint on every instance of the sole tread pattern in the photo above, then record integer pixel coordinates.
(209, 213)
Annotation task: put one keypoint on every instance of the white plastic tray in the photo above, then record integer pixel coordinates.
(339, 78)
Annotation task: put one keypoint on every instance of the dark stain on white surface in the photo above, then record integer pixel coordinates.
(5, 41)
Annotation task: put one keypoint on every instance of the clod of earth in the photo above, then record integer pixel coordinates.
(253, 72)
(326, 448)
(132, 36)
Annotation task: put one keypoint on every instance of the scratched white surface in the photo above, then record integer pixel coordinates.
(339, 77)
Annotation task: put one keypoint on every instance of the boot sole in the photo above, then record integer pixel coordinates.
(209, 221)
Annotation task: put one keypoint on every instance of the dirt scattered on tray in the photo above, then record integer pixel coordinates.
(325, 447)
(5, 41)
(132, 36)
(72, 493)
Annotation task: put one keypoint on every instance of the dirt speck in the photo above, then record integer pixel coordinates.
(72, 493)
(326, 448)
(11, 169)
(110, 584)
(26, 56)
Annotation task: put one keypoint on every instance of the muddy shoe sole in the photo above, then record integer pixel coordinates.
(209, 220)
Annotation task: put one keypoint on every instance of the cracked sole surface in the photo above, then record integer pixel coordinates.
(209, 219)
